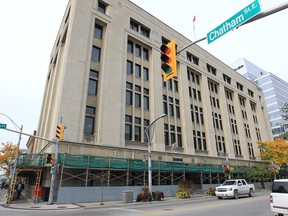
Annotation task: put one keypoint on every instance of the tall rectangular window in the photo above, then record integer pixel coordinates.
(129, 94)
(145, 54)
(137, 70)
(130, 46)
(98, 30)
(96, 53)
(138, 50)
(145, 73)
(129, 67)
(128, 127)
(137, 133)
(93, 82)
(89, 120)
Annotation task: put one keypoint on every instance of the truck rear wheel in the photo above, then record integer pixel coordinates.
(250, 192)
(236, 195)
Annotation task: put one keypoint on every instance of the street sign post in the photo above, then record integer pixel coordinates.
(3, 126)
(238, 19)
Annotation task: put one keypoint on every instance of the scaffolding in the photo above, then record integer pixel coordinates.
(82, 170)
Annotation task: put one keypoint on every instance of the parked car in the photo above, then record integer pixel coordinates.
(279, 197)
(234, 188)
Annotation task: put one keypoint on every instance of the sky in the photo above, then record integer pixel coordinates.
(29, 29)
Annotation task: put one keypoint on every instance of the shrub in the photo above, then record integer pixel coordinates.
(211, 191)
(158, 195)
(182, 195)
(144, 195)
(184, 189)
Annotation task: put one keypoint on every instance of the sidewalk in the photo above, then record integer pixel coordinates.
(28, 204)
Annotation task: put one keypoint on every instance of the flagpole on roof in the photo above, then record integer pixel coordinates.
(194, 19)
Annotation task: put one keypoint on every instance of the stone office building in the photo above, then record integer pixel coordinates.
(105, 82)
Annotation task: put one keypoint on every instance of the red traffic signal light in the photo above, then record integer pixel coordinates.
(59, 132)
(168, 58)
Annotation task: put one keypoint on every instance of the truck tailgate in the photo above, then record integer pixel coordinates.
(280, 200)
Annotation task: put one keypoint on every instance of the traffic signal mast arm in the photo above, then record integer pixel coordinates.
(256, 17)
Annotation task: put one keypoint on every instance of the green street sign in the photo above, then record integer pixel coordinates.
(3, 126)
(238, 19)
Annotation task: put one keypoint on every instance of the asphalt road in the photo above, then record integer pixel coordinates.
(258, 205)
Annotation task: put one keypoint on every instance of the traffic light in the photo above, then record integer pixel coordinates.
(59, 132)
(168, 57)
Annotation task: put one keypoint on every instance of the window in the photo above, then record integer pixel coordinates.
(242, 101)
(199, 140)
(239, 86)
(192, 58)
(96, 53)
(211, 69)
(128, 127)
(134, 25)
(237, 147)
(137, 70)
(137, 129)
(165, 111)
(177, 108)
(253, 106)
(166, 135)
(171, 106)
(138, 50)
(137, 100)
(179, 137)
(213, 87)
(129, 98)
(145, 31)
(170, 87)
(145, 54)
(101, 7)
(145, 73)
(227, 78)
(229, 95)
(146, 99)
(220, 144)
(176, 85)
(130, 46)
(98, 30)
(93, 83)
(251, 93)
(89, 120)
(129, 67)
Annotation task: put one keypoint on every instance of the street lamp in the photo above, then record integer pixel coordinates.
(149, 137)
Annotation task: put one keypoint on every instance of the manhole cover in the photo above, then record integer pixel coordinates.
(168, 209)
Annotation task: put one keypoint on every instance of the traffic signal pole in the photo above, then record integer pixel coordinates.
(53, 173)
(54, 168)
(256, 17)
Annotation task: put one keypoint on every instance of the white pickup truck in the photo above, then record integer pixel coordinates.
(234, 188)
(279, 197)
